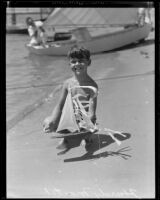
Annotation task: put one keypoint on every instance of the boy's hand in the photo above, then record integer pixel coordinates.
(93, 119)
(49, 125)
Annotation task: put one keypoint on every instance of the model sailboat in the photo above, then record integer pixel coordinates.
(74, 117)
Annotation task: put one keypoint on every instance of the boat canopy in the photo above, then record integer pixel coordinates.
(91, 17)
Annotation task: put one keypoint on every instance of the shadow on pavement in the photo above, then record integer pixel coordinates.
(99, 141)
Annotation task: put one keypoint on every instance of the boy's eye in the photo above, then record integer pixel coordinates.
(73, 62)
(79, 61)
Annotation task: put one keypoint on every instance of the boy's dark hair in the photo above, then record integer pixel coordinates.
(79, 52)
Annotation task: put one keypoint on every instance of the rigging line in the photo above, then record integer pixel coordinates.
(99, 145)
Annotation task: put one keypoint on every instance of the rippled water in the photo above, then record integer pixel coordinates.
(29, 77)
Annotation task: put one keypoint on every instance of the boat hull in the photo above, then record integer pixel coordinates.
(97, 44)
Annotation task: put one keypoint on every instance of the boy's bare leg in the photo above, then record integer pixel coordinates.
(63, 144)
(88, 140)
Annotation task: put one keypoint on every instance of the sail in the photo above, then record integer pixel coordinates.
(68, 120)
(72, 17)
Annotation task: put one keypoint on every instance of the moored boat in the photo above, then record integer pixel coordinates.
(96, 44)
(98, 29)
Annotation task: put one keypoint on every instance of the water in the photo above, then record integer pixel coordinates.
(29, 77)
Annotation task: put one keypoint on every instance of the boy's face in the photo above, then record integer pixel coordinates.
(79, 66)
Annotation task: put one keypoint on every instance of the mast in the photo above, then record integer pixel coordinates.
(13, 16)
(41, 14)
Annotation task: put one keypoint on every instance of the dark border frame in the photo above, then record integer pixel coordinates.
(75, 3)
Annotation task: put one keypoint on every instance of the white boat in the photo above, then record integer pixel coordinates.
(87, 33)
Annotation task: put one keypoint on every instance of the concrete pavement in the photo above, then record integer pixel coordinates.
(35, 168)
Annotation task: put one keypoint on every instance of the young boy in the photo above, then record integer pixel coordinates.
(79, 60)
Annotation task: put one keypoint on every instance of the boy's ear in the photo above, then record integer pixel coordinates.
(89, 62)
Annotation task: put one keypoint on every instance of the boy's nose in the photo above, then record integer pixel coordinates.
(77, 63)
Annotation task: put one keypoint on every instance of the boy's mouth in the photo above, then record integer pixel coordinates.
(77, 68)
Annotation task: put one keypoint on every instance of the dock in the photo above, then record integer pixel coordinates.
(16, 18)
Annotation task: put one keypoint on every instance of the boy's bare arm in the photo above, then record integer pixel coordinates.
(92, 110)
(93, 106)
